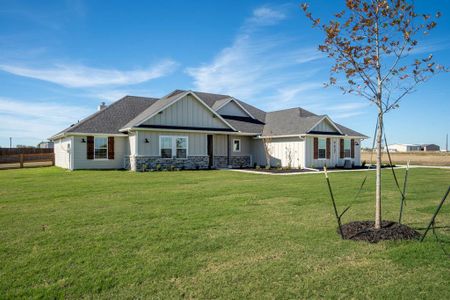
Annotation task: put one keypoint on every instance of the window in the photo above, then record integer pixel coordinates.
(237, 145)
(101, 148)
(181, 146)
(347, 151)
(322, 148)
(173, 146)
(166, 146)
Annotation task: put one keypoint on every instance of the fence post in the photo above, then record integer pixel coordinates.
(21, 160)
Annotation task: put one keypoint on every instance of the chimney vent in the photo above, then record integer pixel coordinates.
(102, 106)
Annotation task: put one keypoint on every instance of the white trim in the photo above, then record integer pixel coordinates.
(182, 95)
(259, 137)
(107, 146)
(334, 136)
(331, 121)
(174, 146)
(240, 144)
(69, 134)
(238, 104)
(196, 131)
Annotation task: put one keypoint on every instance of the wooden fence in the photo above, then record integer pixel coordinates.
(11, 161)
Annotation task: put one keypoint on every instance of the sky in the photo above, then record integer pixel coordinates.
(60, 59)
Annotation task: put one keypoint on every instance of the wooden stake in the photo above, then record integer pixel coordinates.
(338, 218)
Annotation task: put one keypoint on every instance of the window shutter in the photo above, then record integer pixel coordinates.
(352, 149)
(90, 147)
(341, 152)
(316, 148)
(328, 148)
(110, 147)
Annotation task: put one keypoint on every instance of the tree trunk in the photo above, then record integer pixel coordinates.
(378, 176)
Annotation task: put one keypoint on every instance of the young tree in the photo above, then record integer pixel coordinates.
(371, 43)
(267, 142)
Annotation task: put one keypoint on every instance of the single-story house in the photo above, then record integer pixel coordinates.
(196, 130)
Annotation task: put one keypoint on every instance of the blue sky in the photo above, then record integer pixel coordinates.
(60, 59)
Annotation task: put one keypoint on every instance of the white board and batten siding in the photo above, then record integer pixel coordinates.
(187, 112)
(121, 150)
(334, 159)
(284, 152)
(63, 152)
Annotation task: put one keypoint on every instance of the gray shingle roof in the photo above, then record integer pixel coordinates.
(296, 121)
(112, 118)
(131, 110)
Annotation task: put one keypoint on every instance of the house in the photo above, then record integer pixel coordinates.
(430, 147)
(45, 145)
(196, 130)
(404, 147)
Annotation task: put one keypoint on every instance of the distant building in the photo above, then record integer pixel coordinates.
(45, 145)
(430, 147)
(404, 147)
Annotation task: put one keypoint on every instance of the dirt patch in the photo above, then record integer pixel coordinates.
(416, 158)
(365, 231)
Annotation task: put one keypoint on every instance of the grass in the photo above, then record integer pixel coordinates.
(211, 234)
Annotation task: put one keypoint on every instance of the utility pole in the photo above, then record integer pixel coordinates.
(10, 143)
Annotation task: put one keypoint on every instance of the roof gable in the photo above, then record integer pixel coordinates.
(325, 125)
(231, 107)
(190, 112)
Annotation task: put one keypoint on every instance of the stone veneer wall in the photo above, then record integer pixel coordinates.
(192, 162)
(235, 161)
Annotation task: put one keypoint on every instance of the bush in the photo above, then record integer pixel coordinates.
(158, 167)
(257, 167)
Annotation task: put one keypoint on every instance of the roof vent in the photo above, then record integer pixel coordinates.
(102, 106)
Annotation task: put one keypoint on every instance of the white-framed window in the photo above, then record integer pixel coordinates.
(100, 148)
(322, 148)
(236, 145)
(181, 146)
(347, 148)
(165, 146)
(173, 146)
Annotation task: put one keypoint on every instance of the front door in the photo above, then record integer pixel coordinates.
(210, 151)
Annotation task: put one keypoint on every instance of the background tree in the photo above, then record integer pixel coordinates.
(372, 43)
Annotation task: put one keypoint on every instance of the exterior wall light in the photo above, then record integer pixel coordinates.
(146, 141)
(83, 140)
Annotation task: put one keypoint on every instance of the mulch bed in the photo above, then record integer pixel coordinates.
(365, 231)
(281, 171)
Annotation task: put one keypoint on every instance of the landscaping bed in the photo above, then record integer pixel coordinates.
(365, 231)
(280, 170)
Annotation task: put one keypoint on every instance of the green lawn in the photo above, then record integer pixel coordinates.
(211, 234)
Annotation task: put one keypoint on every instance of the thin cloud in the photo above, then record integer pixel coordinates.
(80, 76)
(47, 118)
(255, 65)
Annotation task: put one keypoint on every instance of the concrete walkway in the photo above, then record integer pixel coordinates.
(333, 171)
